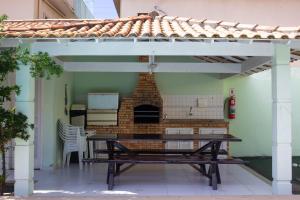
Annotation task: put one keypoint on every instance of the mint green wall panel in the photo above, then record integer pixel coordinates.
(296, 111)
(254, 103)
(124, 83)
(189, 84)
(53, 109)
(253, 121)
(93, 82)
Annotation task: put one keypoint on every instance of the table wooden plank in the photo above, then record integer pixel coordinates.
(164, 137)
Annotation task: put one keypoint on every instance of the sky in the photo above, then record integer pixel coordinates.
(102, 9)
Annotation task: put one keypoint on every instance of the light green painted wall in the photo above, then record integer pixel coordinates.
(124, 83)
(85, 82)
(254, 113)
(296, 110)
(80, 84)
(189, 84)
(53, 109)
(254, 104)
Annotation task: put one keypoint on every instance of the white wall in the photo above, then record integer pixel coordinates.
(18, 9)
(269, 12)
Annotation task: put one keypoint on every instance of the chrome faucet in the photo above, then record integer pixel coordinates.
(191, 113)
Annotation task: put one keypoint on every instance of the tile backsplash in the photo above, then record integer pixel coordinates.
(193, 106)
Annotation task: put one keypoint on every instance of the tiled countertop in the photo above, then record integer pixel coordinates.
(194, 121)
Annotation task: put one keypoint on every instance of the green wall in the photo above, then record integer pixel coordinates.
(254, 104)
(189, 84)
(254, 113)
(124, 83)
(79, 84)
(296, 110)
(85, 82)
(53, 109)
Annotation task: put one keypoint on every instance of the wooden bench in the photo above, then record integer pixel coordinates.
(213, 174)
(95, 160)
(158, 151)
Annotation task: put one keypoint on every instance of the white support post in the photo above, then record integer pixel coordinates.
(24, 150)
(282, 127)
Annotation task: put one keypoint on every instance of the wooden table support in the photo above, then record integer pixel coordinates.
(118, 154)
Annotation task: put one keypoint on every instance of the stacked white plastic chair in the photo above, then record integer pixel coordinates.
(74, 140)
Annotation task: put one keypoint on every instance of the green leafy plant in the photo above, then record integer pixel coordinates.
(15, 124)
(2, 18)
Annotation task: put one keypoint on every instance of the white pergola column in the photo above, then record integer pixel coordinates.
(24, 150)
(282, 124)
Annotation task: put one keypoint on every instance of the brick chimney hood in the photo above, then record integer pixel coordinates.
(147, 101)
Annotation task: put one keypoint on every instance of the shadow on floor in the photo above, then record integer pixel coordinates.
(263, 166)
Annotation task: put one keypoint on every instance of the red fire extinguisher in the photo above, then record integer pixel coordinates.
(231, 107)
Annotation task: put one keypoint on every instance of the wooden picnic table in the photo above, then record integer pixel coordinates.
(118, 154)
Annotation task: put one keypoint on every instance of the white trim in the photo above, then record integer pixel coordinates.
(144, 67)
(294, 44)
(281, 122)
(254, 62)
(129, 48)
(224, 76)
(6, 43)
(24, 150)
(38, 123)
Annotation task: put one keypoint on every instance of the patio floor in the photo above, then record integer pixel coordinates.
(146, 180)
(159, 198)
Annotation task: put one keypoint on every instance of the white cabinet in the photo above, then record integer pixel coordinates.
(214, 131)
(102, 109)
(179, 145)
(102, 117)
(103, 101)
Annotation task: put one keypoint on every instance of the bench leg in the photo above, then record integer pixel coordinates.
(214, 180)
(218, 174)
(209, 175)
(118, 167)
(111, 174)
(107, 175)
(91, 150)
(203, 169)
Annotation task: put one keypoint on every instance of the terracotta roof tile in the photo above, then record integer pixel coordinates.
(223, 32)
(201, 31)
(156, 28)
(187, 28)
(179, 30)
(170, 18)
(144, 26)
(246, 26)
(228, 24)
(167, 29)
(136, 29)
(196, 21)
(125, 29)
(288, 29)
(265, 28)
(183, 19)
(212, 23)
